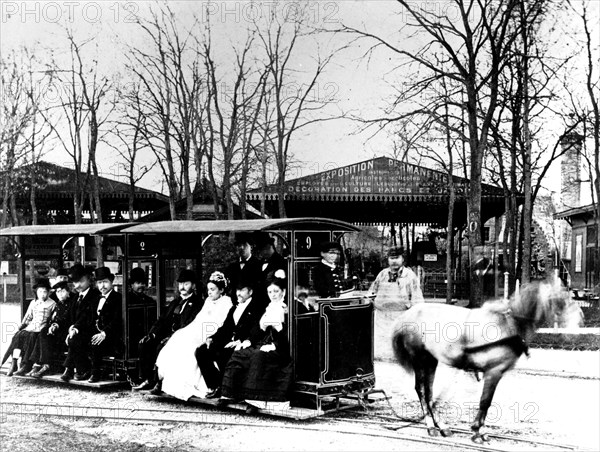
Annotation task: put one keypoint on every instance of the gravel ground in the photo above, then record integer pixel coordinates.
(532, 405)
(539, 400)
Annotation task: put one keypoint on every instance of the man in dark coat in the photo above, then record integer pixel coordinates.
(246, 267)
(136, 297)
(82, 326)
(328, 275)
(213, 356)
(108, 323)
(180, 313)
(273, 263)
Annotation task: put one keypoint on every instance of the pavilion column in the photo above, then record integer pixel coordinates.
(497, 223)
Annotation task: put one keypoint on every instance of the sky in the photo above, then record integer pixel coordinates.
(359, 85)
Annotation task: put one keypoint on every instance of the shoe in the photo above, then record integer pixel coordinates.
(143, 386)
(22, 370)
(42, 371)
(157, 389)
(251, 409)
(95, 377)
(67, 374)
(13, 368)
(80, 376)
(33, 370)
(224, 401)
(213, 394)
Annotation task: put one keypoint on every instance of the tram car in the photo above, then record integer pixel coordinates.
(331, 345)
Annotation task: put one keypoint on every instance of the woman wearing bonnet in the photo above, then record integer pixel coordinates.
(176, 363)
(260, 370)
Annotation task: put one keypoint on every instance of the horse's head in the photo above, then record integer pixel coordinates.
(544, 303)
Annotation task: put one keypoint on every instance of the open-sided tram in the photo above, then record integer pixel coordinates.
(331, 347)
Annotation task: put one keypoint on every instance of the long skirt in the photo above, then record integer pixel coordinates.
(23, 340)
(257, 375)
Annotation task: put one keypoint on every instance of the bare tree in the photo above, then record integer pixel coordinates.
(128, 130)
(292, 110)
(474, 51)
(16, 115)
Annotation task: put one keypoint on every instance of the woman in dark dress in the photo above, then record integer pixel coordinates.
(260, 369)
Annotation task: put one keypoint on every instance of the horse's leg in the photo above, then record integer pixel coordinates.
(430, 376)
(421, 386)
(490, 382)
(424, 376)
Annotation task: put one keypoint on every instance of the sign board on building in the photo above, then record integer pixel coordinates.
(430, 258)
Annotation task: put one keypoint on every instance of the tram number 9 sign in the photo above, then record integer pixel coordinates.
(308, 243)
(141, 246)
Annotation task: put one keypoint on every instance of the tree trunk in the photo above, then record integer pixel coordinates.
(527, 207)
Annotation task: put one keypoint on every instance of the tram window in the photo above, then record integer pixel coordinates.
(308, 243)
(305, 285)
(217, 253)
(149, 268)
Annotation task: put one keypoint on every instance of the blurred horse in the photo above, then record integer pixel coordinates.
(489, 339)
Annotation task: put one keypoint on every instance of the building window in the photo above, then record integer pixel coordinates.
(486, 234)
(578, 252)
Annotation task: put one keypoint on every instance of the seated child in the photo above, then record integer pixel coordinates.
(23, 342)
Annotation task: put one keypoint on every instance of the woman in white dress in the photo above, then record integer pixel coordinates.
(176, 362)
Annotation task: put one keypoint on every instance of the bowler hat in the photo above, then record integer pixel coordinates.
(244, 282)
(396, 251)
(78, 271)
(263, 239)
(103, 273)
(42, 282)
(243, 237)
(60, 285)
(62, 272)
(186, 275)
(137, 274)
(326, 246)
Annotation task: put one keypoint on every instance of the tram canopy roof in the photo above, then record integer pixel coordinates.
(65, 229)
(177, 227)
(376, 191)
(187, 226)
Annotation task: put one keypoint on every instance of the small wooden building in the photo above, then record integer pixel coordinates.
(582, 256)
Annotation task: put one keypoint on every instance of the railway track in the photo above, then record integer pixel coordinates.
(367, 424)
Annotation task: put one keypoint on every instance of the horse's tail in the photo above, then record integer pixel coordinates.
(403, 356)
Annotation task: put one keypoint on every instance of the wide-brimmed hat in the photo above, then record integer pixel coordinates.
(326, 246)
(186, 275)
(103, 273)
(61, 285)
(41, 282)
(78, 271)
(137, 274)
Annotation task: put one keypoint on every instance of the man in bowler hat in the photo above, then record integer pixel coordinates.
(180, 313)
(212, 357)
(327, 276)
(107, 335)
(81, 327)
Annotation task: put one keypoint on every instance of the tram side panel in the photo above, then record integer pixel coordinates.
(334, 347)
